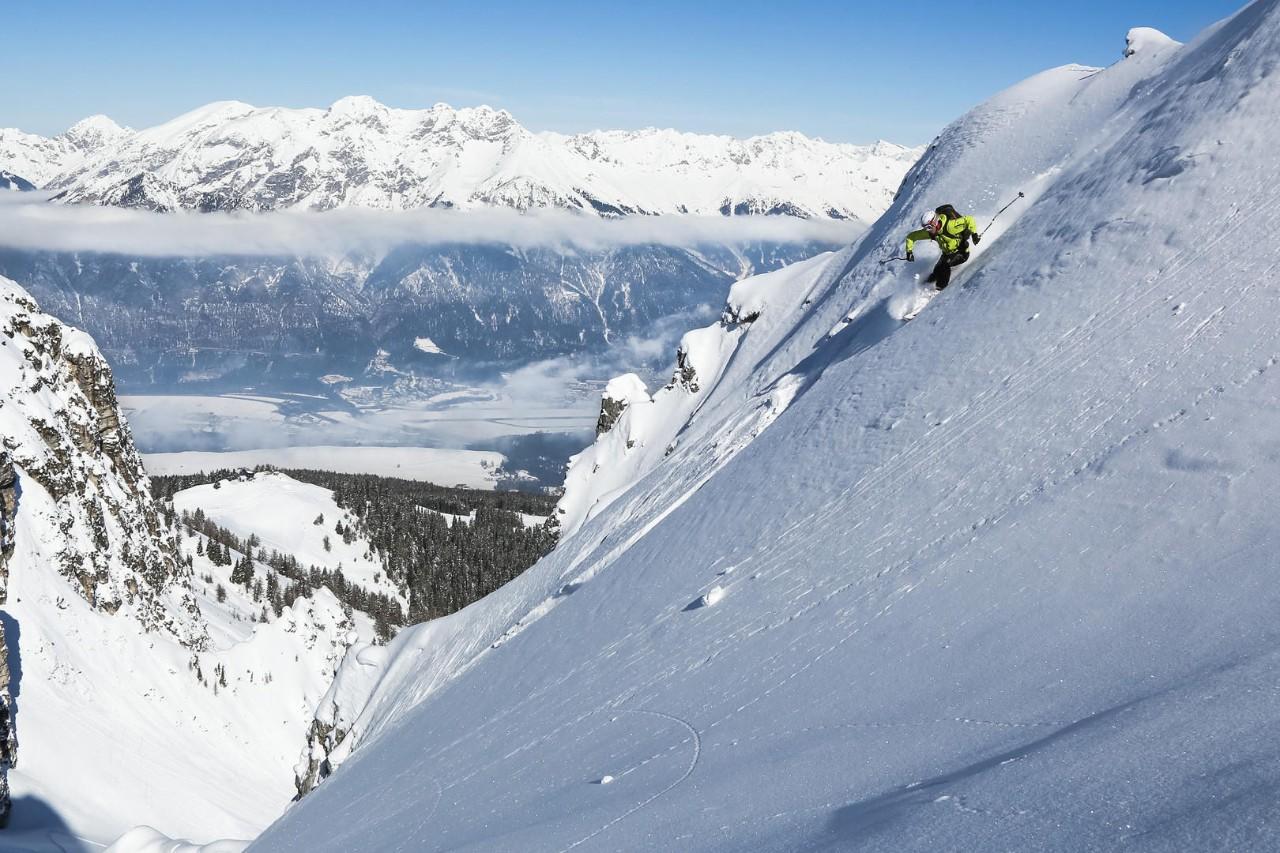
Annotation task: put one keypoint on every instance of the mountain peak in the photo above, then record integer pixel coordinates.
(96, 122)
(94, 132)
(356, 105)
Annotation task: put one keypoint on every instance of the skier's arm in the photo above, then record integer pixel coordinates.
(971, 227)
(921, 234)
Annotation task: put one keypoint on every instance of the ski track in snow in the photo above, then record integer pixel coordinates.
(822, 587)
(1013, 392)
(435, 807)
(693, 763)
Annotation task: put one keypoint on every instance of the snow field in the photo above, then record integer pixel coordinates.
(1001, 576)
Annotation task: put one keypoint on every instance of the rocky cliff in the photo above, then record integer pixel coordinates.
(137, 667)
(8, 739)
(63, 430)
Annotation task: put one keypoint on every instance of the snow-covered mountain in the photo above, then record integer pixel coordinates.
(10, 181)
(136, 685)
(235, 322)
(39, 159)
(285, 321)
(360, 153)
(998, 578)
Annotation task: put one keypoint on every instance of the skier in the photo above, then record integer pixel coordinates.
(952, 233)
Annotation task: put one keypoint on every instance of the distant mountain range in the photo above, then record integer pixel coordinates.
(228, 321)
(360, 153)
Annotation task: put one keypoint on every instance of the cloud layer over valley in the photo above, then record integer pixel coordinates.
(29, 222)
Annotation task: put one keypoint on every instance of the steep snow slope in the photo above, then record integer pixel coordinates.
(127, 708)
(1000, 578)
(360, 153)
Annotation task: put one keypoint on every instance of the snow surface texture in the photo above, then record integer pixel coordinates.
(998, 578)
(114, 651)
(360, 153)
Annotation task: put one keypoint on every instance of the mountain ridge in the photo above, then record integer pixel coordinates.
(229, 155)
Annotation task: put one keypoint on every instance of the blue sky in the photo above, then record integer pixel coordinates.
(846, 71)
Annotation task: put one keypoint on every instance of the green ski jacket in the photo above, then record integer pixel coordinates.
(953, 234)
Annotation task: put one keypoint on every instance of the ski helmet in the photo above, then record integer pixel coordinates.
(931, 221)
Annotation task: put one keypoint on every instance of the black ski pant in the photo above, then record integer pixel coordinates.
(941, 275)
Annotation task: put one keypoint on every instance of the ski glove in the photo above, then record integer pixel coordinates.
(977, 238)
(911, 256)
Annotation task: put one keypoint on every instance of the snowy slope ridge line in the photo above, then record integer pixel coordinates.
(1009, 560)
(359, 153)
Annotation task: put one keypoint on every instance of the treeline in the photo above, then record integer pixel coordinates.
(439, 567)
(224, 546)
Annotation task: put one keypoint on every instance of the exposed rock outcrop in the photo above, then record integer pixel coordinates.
(8, 509)
(618, 395)
(8, 738)
(64, 434)
(315, 767)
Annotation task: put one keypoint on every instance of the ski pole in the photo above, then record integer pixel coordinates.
(1002, 210)
(887, 260)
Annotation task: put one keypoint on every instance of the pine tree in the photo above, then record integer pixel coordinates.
(243, 572)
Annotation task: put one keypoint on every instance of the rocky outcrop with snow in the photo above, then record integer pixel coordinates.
(144, 686)
(998, 577)
(16, 183)
(360, 153)
(636, 432)
(620, 393)
(63, 430)
(8, 738)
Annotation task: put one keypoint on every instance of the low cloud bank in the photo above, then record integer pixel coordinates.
(29, 222)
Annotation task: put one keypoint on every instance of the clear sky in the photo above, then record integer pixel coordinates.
(846, 71)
